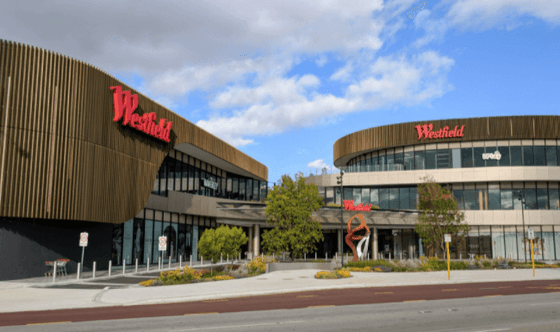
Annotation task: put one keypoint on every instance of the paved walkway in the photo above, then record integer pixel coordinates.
(25, 296)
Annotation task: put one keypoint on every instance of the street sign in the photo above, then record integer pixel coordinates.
(447, 237)
(83, 239)
(531, 234)
(163, 243)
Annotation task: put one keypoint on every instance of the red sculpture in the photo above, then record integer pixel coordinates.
(351, 237)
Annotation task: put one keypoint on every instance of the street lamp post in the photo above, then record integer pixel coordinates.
(522, 199)
(339, 181)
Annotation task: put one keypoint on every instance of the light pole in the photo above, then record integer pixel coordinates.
(522, 199)
(339, 181)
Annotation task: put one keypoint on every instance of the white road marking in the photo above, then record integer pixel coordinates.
(545, 303)
(234, 326)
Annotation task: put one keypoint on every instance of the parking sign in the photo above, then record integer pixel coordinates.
(447, 237)
(531, 234)
(163, 243)
(83, 239)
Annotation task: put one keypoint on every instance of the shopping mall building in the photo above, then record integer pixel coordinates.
(83, 152)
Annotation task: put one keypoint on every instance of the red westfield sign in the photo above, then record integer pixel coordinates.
(125, 105)
(349, 206)
(426, 131)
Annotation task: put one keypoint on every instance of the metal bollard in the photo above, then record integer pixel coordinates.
(191, 261)
(221, 258)
(347, 257)
(460, 256)
(401, 255)
(159, 263)
(148, 265)
(389, 256)
(484, 256)
(327, 256)
(227, 258)
(110, 263)
(54, 272)
(239, 256)
(201, 260)
(180, 261)
(94, 266)
(136, 268)
(315, 255)
(272, 256)
(305, 257)
(262, 256)
(79, 269)
(123, 265)
(169, 262)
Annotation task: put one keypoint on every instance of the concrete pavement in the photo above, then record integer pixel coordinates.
(24, 295)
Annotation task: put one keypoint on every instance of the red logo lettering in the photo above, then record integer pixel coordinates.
(426, 131)
(125, 104)
(349, 206)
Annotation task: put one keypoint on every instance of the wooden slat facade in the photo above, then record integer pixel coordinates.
(65, 158)
(476, 129)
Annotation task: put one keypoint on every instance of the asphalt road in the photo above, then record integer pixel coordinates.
(533, 312)
(322, 298)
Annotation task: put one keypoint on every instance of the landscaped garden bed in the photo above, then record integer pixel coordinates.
(338, 274)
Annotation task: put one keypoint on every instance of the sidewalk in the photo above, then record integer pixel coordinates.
(22, 297)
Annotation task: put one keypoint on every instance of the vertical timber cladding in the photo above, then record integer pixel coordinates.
(476, 129)
(65, 158)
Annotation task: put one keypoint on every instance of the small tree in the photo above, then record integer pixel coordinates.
(438, 215)
(222, 240)
(289, 208)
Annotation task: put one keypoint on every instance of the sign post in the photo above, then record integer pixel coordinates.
(83, 244)
(531, 237)
(447, 240)
(162, 247)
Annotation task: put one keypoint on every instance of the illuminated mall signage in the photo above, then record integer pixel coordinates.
(494, 156)
(125, 104)
(349, 206)
(426, 131)
(210, 184)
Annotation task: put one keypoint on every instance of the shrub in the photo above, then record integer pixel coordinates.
(376, 269)
(258, 265)
(486, 264)
(363, 264)
(325, 275)
(358, 269)
(343, 274)
(151, 282)
(400, 269)
(223, 278)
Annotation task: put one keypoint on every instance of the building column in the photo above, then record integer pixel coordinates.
(374, 245)
(256, 240)
(250, 249)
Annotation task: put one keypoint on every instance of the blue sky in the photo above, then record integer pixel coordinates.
(282, 81)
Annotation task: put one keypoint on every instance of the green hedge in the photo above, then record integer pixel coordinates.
(362, 264)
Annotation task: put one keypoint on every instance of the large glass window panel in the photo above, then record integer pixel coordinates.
(171, 233)
(116, 252)
(477, 154)
(390, 162)
(431, 159)
(473, 246)
(551, 158)
(365, 196)
(516, 201)
(491, 162)
(471, 200)
(182, 243)
(494, 199)
(163, 179)
(235, 192)
(530, 199)
(368, 165)
(263, 190)
(241, 189)
(256, 190)
(148, 237)
(196, 181)
(443, 158)
(557, 241)
(170, 174)
(394, 198)
(409, 160)
(516, 155)
(384, 198)
(459, 197)
(548, 242)
(374, 197)
(506, 196)
(485, 241)
(375, 164)
(363, 165)
(138, 241)
(348, 194)
(249, 189)
(404, 198)
(399, 160)
(157, 234)
(498, 250)
(184, 177)
(382, 163)
(524, 249)
(511, 242)
(413, 197)
(202, 189)
(537, 243)
(554, 202)
(456, 158)
(504, 151)
(467, 157)
(178, 175)
(482, 198)
(539, 155)
(127, 241)
(528, 156)
(191, 179)
(542, 199)
(419, 160)
(195, 242)
(357, 195)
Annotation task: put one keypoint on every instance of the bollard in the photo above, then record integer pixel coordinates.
(272, 256)
(262, 256)
(327, 256)
(123, 265)
(169, 262)
(201, 260)
(239, 256)
(54, 272)
(460, 256)
(180, 261)
(484, 256)
(389, 256)
(401, 255)
(221, 258)
(190, 261)
(79, 266)
(227, 258)
(347, 257)
(368, 256)
(335, 255)
(93, 276)
(136, 267)
(148, 265)
(110, 263)
(305, 257)
(315, 255)
(159, 263)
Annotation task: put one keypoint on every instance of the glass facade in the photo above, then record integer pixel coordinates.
(187, 174)
(514, 155)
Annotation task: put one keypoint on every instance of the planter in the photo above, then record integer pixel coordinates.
(299, 266)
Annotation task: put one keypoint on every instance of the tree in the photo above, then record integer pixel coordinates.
(222, 240)
(289, 208)
(438, 215)
(324, 171)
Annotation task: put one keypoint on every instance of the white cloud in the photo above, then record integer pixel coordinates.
(318, 164)
(321, 61)
(343, 74)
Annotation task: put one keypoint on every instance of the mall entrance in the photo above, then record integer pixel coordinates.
(395, 242)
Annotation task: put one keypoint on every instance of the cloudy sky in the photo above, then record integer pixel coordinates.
(283, 80)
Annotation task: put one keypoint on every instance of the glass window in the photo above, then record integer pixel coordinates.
(399, 160)
(506, 196)
(202, 188)
(390, 162)
(409, 160)
(148, 236)
(235, 192)
(456, 157)
(249, 189)
(557, 241)
(241, 190)
(516, 155)
(524, 248)
(413, 197)
(357, 196)
(196, 181)
(365, 196)
(157, 234)
(137, 241)
(404, 198)
(511, 242)
(375, 164)
(542, 199)
(551, 159)
(382, 162)
(494, 199)
(431, 159)
(539, 155)
(263, 190)
(548, 242)
(368, 165)
(443, 158)
(363, 165)
(516, 201)
(528, 156)
(491, 162)
(467, 157)
(553, 200)
(155, 190)
(504, 151)
(178, 174)
(256, 190)
(530, 199)
(458, 194)
(498, 250)
(116, 252)
(374, 197)
(471, 200)
(394, 198)
(384, 198)
(191, 179)
(170, 174)
(419, 160)
(184, 177)
(163, 180)
(478, 161)
(348, 194)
